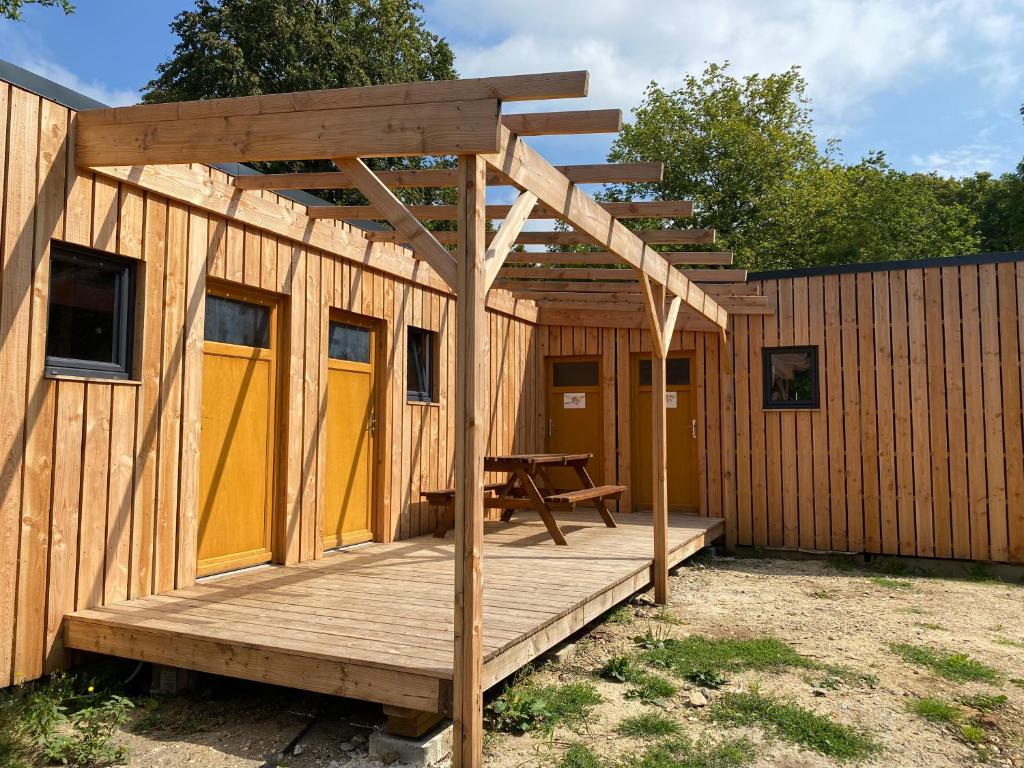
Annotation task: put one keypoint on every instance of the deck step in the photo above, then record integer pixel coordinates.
(587, 494)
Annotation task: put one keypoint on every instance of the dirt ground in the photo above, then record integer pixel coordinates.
(830, 614)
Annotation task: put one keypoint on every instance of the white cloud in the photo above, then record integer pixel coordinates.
(28, 51)
(965, 160)
(848, 49)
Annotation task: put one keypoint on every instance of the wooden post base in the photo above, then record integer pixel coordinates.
(409, 723)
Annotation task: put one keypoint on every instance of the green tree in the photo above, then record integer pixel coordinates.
(744, 150)
(246, 47)
(998, 202)
(11, 9)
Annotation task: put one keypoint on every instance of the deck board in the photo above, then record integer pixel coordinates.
(375, 622)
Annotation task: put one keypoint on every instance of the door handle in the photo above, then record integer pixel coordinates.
(372, 428)
(551, 427)
(693, 428)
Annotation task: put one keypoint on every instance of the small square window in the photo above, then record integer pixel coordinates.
(791, 377)
(348, 342)
(90, 321)
(419, 375)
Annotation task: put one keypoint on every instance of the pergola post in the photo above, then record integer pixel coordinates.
(470, 442)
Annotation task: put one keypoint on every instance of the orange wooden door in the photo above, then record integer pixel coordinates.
(237, 447)
(680, 410)
(575, 415)
(350, 424)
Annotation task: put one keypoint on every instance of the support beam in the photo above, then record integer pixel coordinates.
(501, 243)
(594, 173)
(662, 322)
(413, 129)
(561, 123)
(603, 258)
(470, 443)
(586, 273)
(578, 237)
(422, 241)
(643, 209)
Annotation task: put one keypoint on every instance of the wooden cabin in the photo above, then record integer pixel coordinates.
(203, 372)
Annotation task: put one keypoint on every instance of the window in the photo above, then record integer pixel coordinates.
(791, 377)
(677, 372)
(419, 376)
(230, 321)
(583, 374)
(348, 342)
(90, 321)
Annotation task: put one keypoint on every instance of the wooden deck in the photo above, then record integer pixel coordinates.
(376, 622)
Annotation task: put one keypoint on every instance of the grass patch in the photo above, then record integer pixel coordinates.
(953, 666)
(838, 675)
(648, 725)
(887, 582)
(579, 756)
(526, 706)
(666, 616)
(790, 721)
(1008, 642)
(1018, 681)
(984, 702)
(703, 659)
(935, 709)
(929, 625)
(621, 615)
(682, 752)
(823, 594)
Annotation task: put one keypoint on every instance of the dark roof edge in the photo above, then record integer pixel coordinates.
(48, 89)
(888, 266)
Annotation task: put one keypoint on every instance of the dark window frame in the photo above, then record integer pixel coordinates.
(125, 286)
(428, 394)
(766, 384)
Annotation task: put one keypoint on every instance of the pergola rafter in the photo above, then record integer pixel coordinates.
(461, 118)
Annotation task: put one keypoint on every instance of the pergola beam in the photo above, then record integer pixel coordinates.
(407, 129)
(598, 274)
(579, 237)
(643, 209)
(561, 123)
(420, 238)
(502, 241)
(603, 258)
(592, 173)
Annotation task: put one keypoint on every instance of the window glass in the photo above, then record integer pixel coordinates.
(677, 371)
(584, 374)
(348, 342)
(420, 364)
(243, 323)
(89, 318)
(791, 377)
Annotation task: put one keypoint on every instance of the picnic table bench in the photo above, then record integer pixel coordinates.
(528, 486)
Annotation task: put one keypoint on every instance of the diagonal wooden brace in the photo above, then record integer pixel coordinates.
(506, 235)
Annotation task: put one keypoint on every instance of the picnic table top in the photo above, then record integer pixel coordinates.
(536, 459)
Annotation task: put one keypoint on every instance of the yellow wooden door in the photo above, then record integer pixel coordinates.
(351, 424)
(575, 411)
(237, 448)
(681, 434)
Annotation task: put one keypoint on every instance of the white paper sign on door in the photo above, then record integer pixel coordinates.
(574, 400)
(670, 399)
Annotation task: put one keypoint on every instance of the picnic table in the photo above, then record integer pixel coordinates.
(528, 487)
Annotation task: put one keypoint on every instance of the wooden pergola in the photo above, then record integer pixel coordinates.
(623, 275)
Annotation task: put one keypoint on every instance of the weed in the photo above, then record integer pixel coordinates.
(889, 583)
(1018, 681)
(665, 615)
(650, 688)
(681, 752)
(648, 725)
(1009, 642)
(952, 666)
(621, 615)
(526, 706)
(935, 709)
(579, 756)
(699, 656)
(91, 739)
(654, 638)
(823, 594)
(618, 669)
(794, 723)
(971, 733)
(984, 702)
(837, 675)
(708, 678)
(916, 611)
(929, 625)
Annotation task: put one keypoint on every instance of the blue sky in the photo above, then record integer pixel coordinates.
(937, 85)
